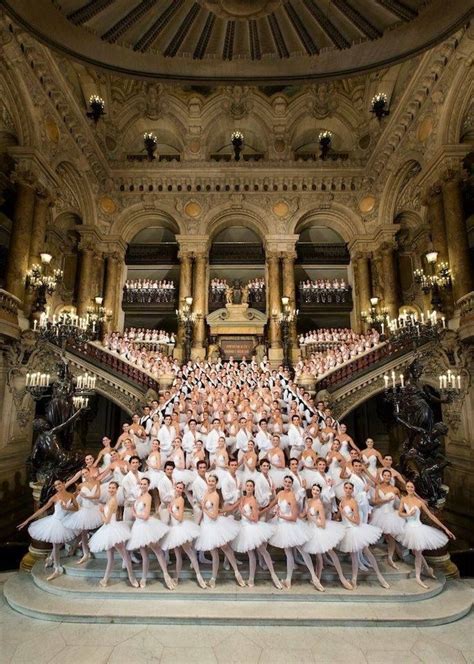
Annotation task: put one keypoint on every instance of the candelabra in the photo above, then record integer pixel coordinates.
(150, 142)
(377, 318)
(417, 329)
(97, 316)
(81, 389)
(65, 327)
(437, 281)
(285, 319)
(187, 318)
(379, 105)
(325, 139)
(42, 281)
(237, 139)
(97, 106)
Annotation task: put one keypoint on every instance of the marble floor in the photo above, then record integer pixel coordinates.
(27, 641)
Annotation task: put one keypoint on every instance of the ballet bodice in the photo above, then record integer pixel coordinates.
(113, 518)
(118, 476)
(285, 507)
(140, 506)
(174, 515)
(413, 515)
(246, 512)
(221, 460)
(206, 517)
(308, 462)
(87, 497)
(344, 450)
(153, 459)
(387, 507)
(371, 461)
(178, 461)
(106, 459)
(275, 460)
(334, 467)
(59, 511)
(347, 513)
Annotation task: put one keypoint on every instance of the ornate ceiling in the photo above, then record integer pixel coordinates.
(259, 41)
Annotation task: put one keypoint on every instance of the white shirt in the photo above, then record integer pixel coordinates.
(165, 489)
(131, 486)
(230, 488)
(166, 435)
(211, 440)
(189, 440)
(242, 440)
(263, 440)
(263, 489)
(199, 488)
(295, 437)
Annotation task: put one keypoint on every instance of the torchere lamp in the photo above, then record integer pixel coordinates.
(97, 106)
(42, 281)
(286, 317)
(379, 105)
(325, 139)
(377, 317)
(150, 142)
(237, 140)
(438, 280)
(187, 318)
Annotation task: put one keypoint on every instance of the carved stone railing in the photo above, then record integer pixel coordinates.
(241, 253)
(116, 365)
(9, 314)
(308, 252)
(466, 321)
(146, 254)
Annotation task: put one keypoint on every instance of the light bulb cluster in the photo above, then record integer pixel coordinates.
(38, 379)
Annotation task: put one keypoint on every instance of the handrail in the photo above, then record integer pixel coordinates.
(466, 304)
(9, 302)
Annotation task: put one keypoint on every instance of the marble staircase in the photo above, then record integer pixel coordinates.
(77, 597)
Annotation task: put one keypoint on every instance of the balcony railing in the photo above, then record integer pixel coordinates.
(217, 299)
(9, 314)
(237, 253)
(320, 254)
(152, 254)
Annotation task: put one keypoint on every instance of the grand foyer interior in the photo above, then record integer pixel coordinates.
(115, 216)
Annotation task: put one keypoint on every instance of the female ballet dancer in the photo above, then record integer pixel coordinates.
(290, 532)
(103, 458)
(216, 532)
(181, 534)
(180, 474)
(417, 536)
(308, 460)
(385, 514)
(278, 471)
(154, 472)
(325, 535)
(336, 465)
(254, 535)
(358, 535)
(111, 536)
(147, 531)
(221, 460)
(248, 463)
(52, 529)
(88, 516)
(370, 457)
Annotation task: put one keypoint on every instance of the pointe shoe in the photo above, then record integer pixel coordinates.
(430, 573)
(384, 584)
(286, 584)
(142, 583)
(201, 582)
(84, 559)
(57, 572)
(420, 583)
(277, 583)
(169, 583)
(391, 563)
(103, 583)
(212, 583)
(347, 584)
(48, 562)
(134, 583)
(354, 584)
(250, 584)
(317, 585)
(226, 565)
(239, 579)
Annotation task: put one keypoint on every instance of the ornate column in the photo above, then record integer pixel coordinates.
(288, 273)
(458, 248)
(362, 281)
(19, 249)
(390, 289)
(199, 304)
(185, 290)
(274, 300)
(85, 295)
(40, 220)
(113, 292)
(434, 203)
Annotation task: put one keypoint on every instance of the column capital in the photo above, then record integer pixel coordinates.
(431, 194)
(193, 244)
(280, 244)
(33, 171)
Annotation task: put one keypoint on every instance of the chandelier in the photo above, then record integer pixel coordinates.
(150, 142)
(42, 281)
(67, 327)
(237, 140)
(325, 139)
(97, 106)
(377, 317)
(438, 280)
(379, 105)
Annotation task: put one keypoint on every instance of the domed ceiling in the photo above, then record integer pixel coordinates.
(259, 41)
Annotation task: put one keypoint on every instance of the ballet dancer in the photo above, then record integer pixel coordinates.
(88, 517)
(419, 537)
(52, 529)
(385, 514)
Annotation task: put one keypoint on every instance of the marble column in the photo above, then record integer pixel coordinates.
(18, 253)
(185, 290)
(274, 299)
(85, 296)
(363, 282)
(38, 231)
(288, 278)
(112, 292)
(434, 202)
(390, 281)
(199, 303)
(458, 247)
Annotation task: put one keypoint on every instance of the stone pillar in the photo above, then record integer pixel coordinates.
(38, 231)
(390, 281)
(185, 290)
(199, 303)
(98, 275)
(288, 274)
(113, 292)
(458, 248)
(18, 254)
(363, 282)
(85, 296)
(434, 203)
(274, 299)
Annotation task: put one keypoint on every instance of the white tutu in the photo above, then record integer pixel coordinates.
(108, 535)
(278, 475)
(154, 476)
(143, 447)
(422, 538)
(311, 477)
(388, 520)
(104, 493)
(216, 532)
(324, 539)
(51, 529)
(251, 535)
(358, 537)
(185, 476)
(88, 517)
(288, 533)
(180, 533)
(145, 532)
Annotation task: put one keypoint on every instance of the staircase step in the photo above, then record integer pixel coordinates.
(26, 597)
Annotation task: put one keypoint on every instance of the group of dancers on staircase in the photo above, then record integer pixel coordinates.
(237, 459)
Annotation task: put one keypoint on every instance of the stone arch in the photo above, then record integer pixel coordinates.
(457, 103)
(395, 185)
(138, 217)
(76, 196)
(338, 217)
(253, 218)
(17, 107)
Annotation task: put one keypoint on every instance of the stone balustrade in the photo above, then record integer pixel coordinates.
(465, 305)
(9, 314)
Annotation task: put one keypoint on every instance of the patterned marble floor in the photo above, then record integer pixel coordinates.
(28, 641)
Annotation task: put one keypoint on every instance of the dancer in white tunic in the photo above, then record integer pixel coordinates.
(181, 534)
(217, 532)
(385, 515)
(254, 535)
(417, 536)
(111, 536)
(154, 472)
(325, 535)
(147, 531)
(88, 516)
(52, 529)
(358, 535)
(291, 532)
